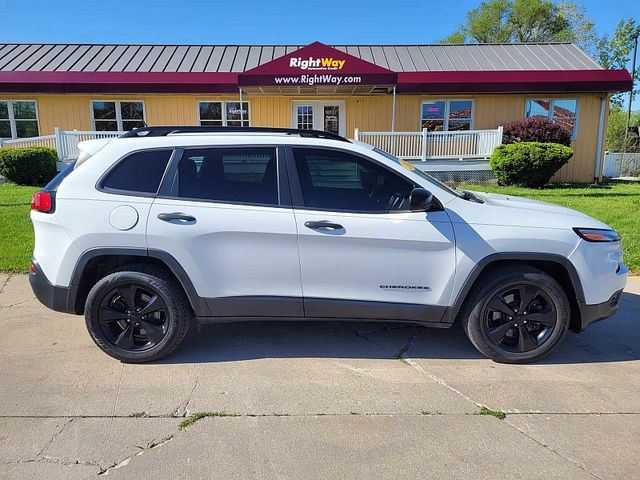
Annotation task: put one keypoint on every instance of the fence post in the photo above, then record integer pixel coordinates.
(356, 134)
(423, 154)
(499, 135)
(59, 143)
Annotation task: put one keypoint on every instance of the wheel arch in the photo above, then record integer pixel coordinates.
(556, 266)
(99, 262)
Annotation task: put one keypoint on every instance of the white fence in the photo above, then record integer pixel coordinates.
(425, 145)
(65, 142)
(621, 164)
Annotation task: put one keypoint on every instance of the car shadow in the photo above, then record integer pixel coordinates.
(613, 340)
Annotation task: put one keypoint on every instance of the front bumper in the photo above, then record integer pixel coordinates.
(55, 297)
(594, 313)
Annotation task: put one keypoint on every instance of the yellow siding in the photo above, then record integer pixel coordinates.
(368, 113)
(494, 110)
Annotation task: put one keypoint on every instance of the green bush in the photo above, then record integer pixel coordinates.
(28, 166)
(528, 164)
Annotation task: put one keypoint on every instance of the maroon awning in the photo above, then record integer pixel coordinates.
(119, 82)
(512, 81)
(317, 64)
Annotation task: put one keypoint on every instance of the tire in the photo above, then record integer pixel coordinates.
(132, 336)
(499, 325)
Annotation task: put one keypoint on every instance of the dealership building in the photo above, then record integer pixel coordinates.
(439, 103)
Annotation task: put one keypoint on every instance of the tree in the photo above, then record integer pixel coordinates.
(615, 52)
(615, 131)
(523, 21)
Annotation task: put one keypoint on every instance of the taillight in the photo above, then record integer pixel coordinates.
(42, 202)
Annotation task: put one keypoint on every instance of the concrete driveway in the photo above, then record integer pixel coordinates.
(314, 400)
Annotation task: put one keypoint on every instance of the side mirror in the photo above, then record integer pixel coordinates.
(421, 200)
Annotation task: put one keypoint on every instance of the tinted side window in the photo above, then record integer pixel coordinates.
(139, 172)
(335, 180)
(240, 175)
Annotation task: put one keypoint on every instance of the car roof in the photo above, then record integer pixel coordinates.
(195, 139)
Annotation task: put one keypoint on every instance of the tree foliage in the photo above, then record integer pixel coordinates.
(615, 131)
(523, 21)
(616, 51)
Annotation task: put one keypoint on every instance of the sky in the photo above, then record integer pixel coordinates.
(254, 22)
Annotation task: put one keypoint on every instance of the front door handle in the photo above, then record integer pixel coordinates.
(167, 217)
(323, 224)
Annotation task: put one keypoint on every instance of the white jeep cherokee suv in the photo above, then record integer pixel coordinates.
(164, 224)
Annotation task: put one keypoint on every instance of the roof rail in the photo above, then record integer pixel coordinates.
(164, 131)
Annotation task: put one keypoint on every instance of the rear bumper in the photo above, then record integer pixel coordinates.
(594, 313)
(60, 299)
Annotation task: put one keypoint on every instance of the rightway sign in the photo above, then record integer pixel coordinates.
(317, 64)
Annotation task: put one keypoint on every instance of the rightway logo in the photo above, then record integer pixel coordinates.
(311, 63)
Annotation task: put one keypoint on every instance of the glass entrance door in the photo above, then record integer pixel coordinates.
(319, 115)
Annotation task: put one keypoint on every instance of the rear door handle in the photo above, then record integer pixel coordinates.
(323, 224)
(167, 217)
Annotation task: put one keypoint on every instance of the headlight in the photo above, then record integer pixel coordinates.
(597, 234)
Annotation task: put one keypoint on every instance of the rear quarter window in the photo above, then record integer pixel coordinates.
(140, 172)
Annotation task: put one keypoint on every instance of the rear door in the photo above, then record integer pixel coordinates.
(227, 219)
(363, 254)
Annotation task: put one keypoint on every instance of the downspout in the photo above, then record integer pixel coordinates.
(393, 111)
(597, 174)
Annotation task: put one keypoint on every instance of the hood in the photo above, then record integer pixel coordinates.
(509, 210)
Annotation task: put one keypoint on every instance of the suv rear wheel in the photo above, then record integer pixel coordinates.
(518, 315)
(137, 314)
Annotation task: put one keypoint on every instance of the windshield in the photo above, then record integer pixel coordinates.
(420, 173)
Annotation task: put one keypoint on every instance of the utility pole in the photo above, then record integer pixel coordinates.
(633, 78)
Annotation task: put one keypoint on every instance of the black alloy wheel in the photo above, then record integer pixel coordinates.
(133, 317)
(519, 318)
(138, 313)
(516, 314)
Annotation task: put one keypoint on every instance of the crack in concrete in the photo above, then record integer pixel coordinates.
(182, 409)
(22, 302)
(318, 414)
(4, 284)
(553, 450)
(124, 462)
(55, 435)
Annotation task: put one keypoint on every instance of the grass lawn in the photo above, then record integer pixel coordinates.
(617, 205)
(16, 232)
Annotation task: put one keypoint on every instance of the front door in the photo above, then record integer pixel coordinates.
(363, 254)
(328, 116)
(230, 227)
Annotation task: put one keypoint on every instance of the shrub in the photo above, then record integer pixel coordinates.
(536, 129)
(528, 164)
(28, 166)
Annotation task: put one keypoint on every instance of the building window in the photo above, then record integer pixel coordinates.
(447, 115)
(18, 119)
(117, 115)
(561, 110)
(305, 117)
(228, 114)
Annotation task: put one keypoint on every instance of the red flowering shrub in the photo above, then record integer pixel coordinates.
(536, 129)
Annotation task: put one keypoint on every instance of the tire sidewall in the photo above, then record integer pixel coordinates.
(108, 283)
(474, 326)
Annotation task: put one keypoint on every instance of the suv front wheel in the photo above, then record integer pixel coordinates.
(137, 314)
(517, 315)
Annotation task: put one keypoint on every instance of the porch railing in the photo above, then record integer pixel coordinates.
(64, 142)
(425, 145)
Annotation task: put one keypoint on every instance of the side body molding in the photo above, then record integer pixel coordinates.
(494, 258)
(198, 304)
